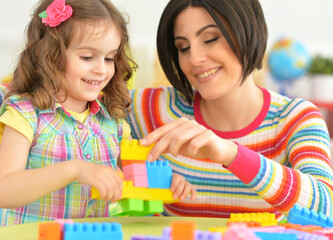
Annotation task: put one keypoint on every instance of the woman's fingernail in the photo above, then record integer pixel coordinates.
(143, 141)
(149, 158)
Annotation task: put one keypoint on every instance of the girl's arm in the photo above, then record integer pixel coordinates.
(19, 186)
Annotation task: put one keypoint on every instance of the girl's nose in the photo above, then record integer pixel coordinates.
(100, 67)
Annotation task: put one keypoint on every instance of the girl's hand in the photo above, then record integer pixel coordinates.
(188, 138)
(181, 188)
(104, 178)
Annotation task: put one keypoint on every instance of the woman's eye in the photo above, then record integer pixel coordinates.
(184, 49)
(211, 40)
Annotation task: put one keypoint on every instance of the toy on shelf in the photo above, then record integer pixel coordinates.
(146, 185)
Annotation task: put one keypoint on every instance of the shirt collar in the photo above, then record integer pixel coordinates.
(95, 107)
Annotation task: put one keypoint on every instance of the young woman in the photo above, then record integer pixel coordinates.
(243, 147)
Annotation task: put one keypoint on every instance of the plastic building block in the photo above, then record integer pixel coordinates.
(96, 231)
(159, 174)
(305, 216)
(137, 173)
(130, 191)
(265, 218)
(136, 207)
(125, 162)
(126, 206)
(239, 232)
(304, 235)
(248, 224)
(142, 237)
(276, 236)
(303, 228)
(182, 230)
(206, 235)
(327, 232)
(268, 229)
(132, 150)
(219, 229)
(63, 221)
(49, 231)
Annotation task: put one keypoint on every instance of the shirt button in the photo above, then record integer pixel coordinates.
(80, 126)
(88, 156)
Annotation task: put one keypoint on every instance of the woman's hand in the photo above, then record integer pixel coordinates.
(104, 178)
(181, 188)
(188, 138)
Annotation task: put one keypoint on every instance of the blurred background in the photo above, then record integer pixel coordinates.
(300, 45)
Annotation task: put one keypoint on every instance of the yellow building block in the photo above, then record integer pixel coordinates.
(130, 191)
(265, 218)
(218, 229)
(132, 150)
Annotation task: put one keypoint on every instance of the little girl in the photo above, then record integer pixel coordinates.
(58, 137)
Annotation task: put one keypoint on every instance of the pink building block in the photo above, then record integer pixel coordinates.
(137, 173)
(239, 232)
(327, 232)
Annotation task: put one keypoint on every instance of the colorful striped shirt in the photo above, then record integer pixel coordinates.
(283, 156)
(58, 137)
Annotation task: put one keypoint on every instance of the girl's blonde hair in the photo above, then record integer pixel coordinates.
(40, 73)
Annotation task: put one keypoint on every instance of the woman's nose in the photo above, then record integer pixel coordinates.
(197, 56)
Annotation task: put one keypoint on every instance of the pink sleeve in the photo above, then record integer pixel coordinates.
(246, 164)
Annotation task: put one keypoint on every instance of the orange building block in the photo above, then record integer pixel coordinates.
(303, 228)
(49, 231)
(182, 230)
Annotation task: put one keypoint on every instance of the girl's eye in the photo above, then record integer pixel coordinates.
(86, 58)
(109, 59)
(211, 40)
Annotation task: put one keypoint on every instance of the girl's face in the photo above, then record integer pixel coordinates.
(204, 54)
(90, 64)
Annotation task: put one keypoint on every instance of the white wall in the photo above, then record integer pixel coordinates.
(307, 21)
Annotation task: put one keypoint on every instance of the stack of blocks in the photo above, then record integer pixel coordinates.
(147, 184)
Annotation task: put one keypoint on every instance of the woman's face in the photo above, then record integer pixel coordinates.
(204, 54)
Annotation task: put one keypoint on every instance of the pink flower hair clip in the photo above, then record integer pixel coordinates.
(56, 13)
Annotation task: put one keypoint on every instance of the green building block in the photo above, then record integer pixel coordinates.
(136, 207)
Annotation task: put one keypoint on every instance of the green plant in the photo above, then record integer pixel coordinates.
(321, 65)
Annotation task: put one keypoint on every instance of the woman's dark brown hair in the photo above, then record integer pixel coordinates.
(40, 73)
(241, 22)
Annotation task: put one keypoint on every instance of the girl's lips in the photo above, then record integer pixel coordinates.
(92, 82)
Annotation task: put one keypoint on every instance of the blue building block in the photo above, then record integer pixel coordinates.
(305, 216)
(275, 236)
(96, 231)
(159, 174)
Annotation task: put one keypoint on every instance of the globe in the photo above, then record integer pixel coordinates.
(288, 60)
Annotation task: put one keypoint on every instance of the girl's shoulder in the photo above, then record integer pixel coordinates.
(22, 105)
